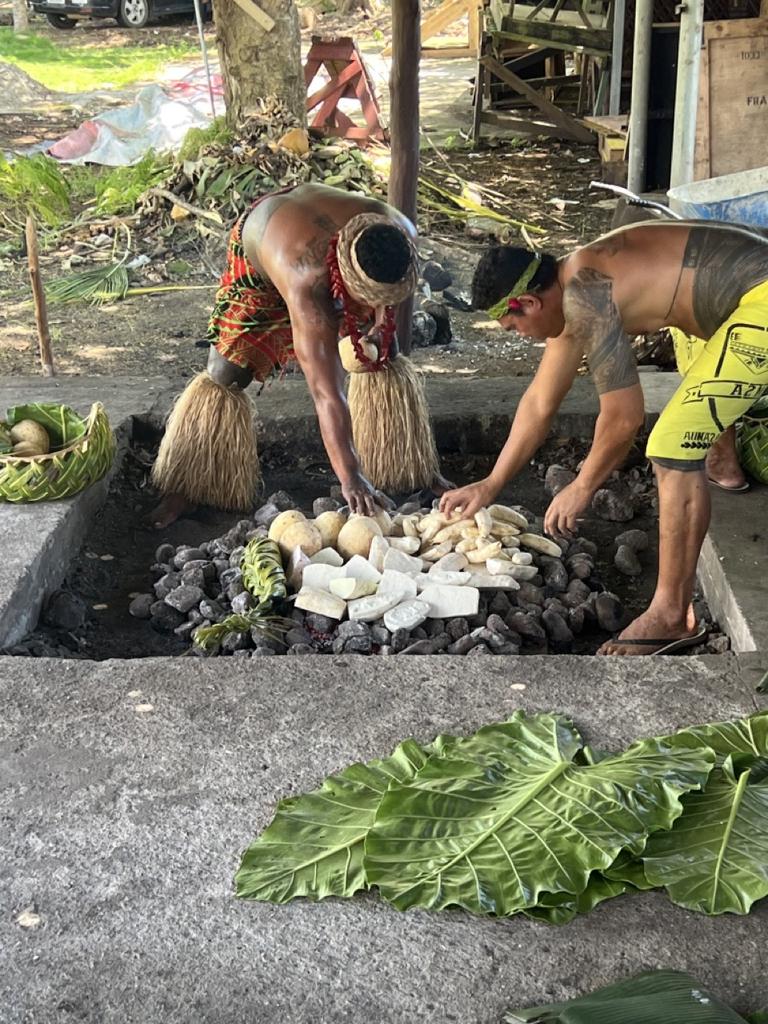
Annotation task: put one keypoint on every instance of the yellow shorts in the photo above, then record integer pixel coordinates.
(722, 379)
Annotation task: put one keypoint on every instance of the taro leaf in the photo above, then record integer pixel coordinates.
(628, 868)
(507, 815)
(314, 845)
(715, 858)
(657, 997)
(561, 907)
(743, 736)
(62, 423)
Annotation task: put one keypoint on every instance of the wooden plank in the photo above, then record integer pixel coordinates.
(569, 125)
(477, 102)
(443, 16)
(609, 124)
(498, 13)
(732, 119)
(596, 41)
(476, 19)
(514, 124)
(445, 52)
(38, 294)
(259, 16)
(338, 84)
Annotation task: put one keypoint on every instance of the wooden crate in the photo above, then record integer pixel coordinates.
(732, 120)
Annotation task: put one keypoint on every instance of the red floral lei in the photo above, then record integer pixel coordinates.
(352, 323)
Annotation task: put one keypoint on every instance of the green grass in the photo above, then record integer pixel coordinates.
(82, 68)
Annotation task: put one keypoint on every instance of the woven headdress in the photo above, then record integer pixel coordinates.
(358, 284)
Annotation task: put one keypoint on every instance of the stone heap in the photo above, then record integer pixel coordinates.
(422, 586)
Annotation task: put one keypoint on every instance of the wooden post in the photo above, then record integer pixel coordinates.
(41, 313)
(404, 128)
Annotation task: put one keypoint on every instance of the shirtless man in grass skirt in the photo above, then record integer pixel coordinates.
(306, 266)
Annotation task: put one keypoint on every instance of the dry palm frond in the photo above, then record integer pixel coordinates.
(98, 285)
(468, 205)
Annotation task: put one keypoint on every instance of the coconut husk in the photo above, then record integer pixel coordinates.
(391, 428)
(208, 453)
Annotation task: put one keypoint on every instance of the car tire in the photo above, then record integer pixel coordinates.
(133, 13)
(61, 21)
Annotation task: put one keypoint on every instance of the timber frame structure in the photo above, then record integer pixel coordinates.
(516, 37)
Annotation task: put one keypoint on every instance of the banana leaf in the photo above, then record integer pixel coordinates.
(657, 997)
(715, 858)
(507, 815)
(63, 424)
(5, 439)
(314, 845)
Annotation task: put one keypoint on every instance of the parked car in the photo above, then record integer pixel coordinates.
(65, 14)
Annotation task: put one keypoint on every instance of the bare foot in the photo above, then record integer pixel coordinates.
(171, 508)
(723, 463)
(651, 626)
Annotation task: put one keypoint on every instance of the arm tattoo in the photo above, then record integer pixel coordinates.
(593, 319)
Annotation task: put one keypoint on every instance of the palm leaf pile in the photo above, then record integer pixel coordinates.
(522, 817)
(227, 174)
(264, 579)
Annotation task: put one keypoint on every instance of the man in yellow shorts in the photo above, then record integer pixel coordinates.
(722, 463)
(708, 280)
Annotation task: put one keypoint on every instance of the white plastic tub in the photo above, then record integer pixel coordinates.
(740, 198)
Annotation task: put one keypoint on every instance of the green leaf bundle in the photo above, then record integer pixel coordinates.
(522, 817)
(656, 997)
(264, 579)
(62, 424)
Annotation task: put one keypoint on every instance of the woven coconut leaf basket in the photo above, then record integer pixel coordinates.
(753, 441)
(82, 450)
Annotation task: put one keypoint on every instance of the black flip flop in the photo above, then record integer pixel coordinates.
(667, 646)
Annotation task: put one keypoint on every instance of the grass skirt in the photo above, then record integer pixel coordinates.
(208, 453)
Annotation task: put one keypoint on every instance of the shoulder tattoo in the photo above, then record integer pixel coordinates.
(592, 318)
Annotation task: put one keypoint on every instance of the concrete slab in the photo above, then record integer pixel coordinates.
(123, 829)
(472, 415)
(733, 567)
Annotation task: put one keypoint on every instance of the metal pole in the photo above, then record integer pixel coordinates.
(687, 92)
(638, 115)
(617, 56)
(204, 50)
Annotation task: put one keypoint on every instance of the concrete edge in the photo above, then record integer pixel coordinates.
(20, 606)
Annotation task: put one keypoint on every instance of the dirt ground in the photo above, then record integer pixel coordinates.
(544, 183)
(153, 334)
